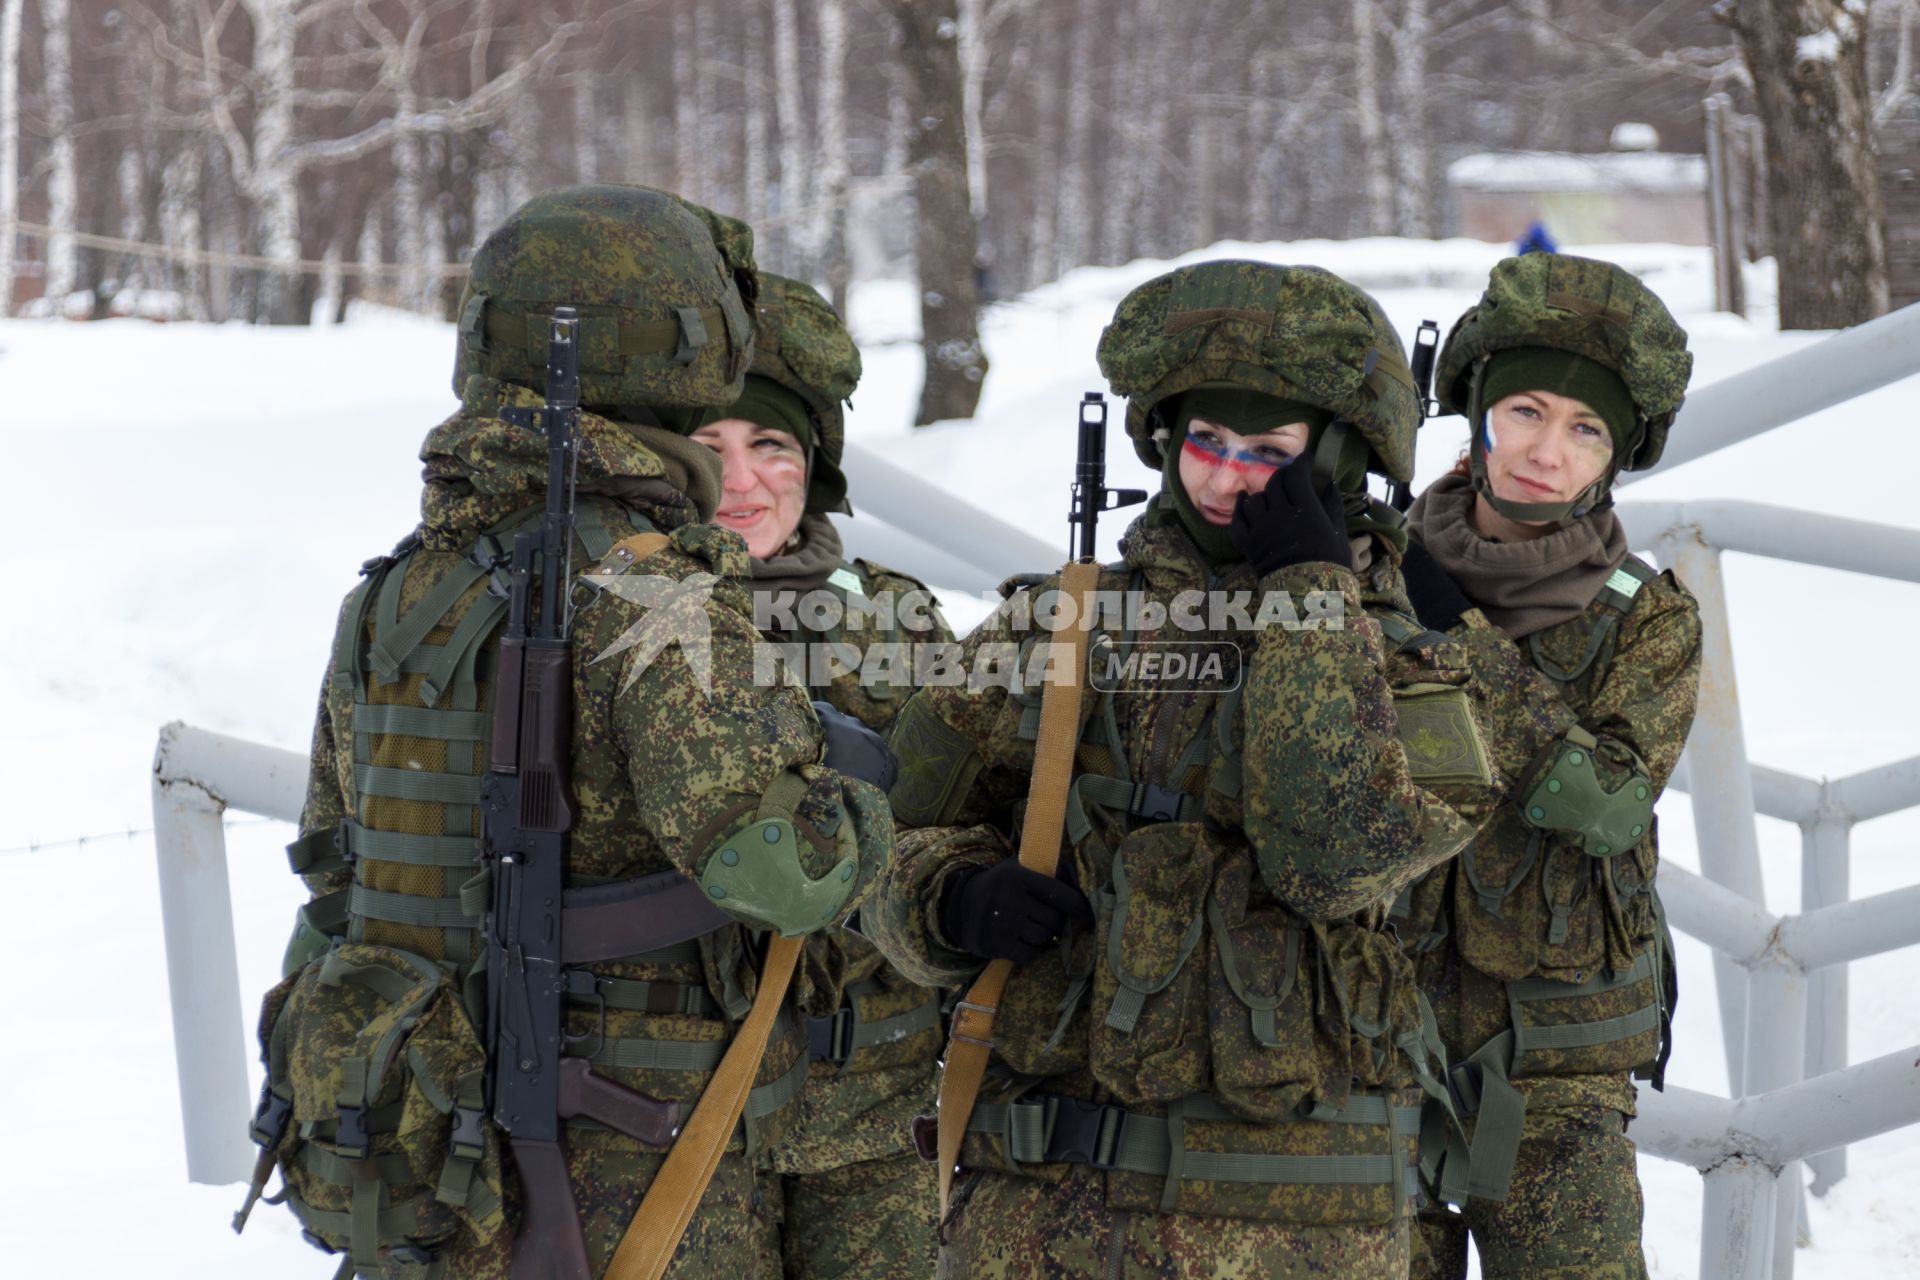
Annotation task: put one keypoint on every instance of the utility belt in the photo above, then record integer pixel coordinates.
(877, 1027)
(1355, 1164)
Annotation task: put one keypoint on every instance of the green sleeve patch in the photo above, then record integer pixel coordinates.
(1441, 737)
(757, 873)
(937, 766)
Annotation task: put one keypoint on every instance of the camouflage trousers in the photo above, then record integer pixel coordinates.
(1573, 1212)
(1006, 1227)
(732, 1234)
(852, 1196)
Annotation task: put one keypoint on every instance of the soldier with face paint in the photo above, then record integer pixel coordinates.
(855, 1199)
(1542, 947)
(1210, 1056)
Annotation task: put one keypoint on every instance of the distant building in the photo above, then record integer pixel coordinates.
(1633, 193)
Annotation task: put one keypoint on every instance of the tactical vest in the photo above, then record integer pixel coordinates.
(883, 1020)
(1258, 1061)
(1580, 943)
(373, 1105)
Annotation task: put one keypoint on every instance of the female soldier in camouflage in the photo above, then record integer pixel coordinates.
(1542, 946)
(1205, 1060)
(857, 1200)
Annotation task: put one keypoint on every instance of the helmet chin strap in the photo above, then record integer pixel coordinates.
(1558, 514)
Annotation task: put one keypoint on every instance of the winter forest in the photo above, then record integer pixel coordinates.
(269, 160)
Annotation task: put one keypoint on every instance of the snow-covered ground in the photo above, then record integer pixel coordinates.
(188, 503)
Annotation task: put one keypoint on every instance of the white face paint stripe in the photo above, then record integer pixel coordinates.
(1486, 429)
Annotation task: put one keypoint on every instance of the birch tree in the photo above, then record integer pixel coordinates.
(10, 11)
(1370, 115)
(794, 201)
(63, 192)
(827, 232)
(1412, 143)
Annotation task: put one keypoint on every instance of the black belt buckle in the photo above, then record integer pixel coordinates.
(1084, 1132)
(350, 1135)
(1155, 803)
(270, 1120)
(830, 1039)
(469, 1139)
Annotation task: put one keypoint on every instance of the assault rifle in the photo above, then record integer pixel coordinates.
(540, 934)
(1426, 349)
(1090, 493)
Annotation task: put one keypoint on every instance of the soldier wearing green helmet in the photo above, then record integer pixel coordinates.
(376, 1112)
(1210, 1057)
(1543, 947)
(854, 1198)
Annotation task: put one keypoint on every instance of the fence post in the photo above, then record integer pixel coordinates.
(1721, 781)
(203, 978)
(1825, 880)
(1736, 1234)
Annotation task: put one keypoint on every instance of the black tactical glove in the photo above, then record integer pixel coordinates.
(1288, 523)
(855, 750)
(1006, 912)
(1437, 599)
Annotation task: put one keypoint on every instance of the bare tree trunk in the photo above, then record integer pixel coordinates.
(1079, 184)
(973, 82)
(1412, 143)
(1371, 116)
(689, 165)
(9, 145)
(755, 146)
(409, 211)
(794, 202)
(371, 252)
(1050, 165)
(1808, 64)
(828, 238)
(63, 195)
(945, 235)
(1121, 207)
(586, 126)
(180, 228)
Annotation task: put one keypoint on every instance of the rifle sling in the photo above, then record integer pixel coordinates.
(646, 913)
(972, 1036)
(669, 1204)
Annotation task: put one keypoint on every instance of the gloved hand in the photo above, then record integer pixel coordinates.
(1288, 523)
(1437, 599)
(1006, 912)
(855, 750)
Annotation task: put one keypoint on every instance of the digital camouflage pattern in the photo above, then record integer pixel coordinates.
(801, 343)
(1011, 1228)
(1591, 308)
(1506, 910)
(1573, 1212)
(663, 771)
(1250, 926)
(858, 1199)
(1300, 333)
(662, 288)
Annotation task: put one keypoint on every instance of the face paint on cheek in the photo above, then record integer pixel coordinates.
(1486, 430)
(1214, 453)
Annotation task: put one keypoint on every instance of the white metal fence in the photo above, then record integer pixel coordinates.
(1781, 981)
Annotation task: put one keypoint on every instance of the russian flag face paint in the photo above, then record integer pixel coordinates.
(1486, 429)
(1208, 450)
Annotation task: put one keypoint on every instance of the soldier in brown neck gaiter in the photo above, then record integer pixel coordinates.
(1569, 371)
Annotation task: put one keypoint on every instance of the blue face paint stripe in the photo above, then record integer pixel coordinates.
(1216, 454)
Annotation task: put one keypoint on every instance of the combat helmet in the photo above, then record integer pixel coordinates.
(1295, 332)
(800, 343)
(1589, 308)
(663, 289)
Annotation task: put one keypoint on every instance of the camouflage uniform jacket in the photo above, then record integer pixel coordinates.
(1252, 921)
(1520, 904)
(663, 769)
(861, 1109)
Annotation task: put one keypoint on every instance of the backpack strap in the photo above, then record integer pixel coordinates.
(1613, 601)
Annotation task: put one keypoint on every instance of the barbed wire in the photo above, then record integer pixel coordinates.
(251, 261)
(129, 834)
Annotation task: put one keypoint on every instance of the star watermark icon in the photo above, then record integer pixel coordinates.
(676, 614)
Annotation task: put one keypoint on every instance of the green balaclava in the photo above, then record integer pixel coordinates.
(1244, 412)
(1565, 373)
